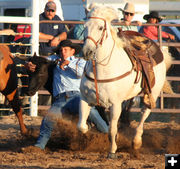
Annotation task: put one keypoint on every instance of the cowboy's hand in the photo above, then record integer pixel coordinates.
(11, 32)
(30, 66)
(63, 64)
(172, 37)
(55, 41)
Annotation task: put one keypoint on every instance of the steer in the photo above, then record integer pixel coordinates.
(43, 75)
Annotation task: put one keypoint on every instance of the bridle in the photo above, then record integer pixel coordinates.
(94, 62)
(100, 41)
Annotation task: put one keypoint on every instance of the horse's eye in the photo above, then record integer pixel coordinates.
(101, 28)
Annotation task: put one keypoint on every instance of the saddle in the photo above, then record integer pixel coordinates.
(144, 54)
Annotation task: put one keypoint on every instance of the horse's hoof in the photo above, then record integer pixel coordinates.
(83, 129)
(30, 133)
(136, 144)
(112, 156)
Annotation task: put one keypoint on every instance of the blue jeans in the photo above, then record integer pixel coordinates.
(70, 103)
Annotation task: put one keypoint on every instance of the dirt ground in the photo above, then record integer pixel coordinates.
(68, 148)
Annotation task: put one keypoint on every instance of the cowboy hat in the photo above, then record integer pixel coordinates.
(129, 7)
(152, 14)
(68, 43)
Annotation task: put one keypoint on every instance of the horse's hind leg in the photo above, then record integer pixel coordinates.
(84, 110)
(137, 141)
(16, 106)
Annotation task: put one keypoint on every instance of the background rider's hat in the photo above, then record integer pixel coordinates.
(68, 43)
(153, 14)
(50, 6)
(129, 7)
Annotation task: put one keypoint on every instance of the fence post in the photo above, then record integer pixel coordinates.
(35, 48)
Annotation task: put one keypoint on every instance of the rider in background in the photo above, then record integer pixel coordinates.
(152, 31)
(128, 15)
(52, 32)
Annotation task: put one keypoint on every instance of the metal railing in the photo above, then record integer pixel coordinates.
(160, 43)
(162, 96)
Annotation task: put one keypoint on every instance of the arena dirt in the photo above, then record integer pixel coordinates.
(68, 148)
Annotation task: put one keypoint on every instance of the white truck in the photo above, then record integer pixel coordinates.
(72, 9)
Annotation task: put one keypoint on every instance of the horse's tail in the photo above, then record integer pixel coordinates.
(167, 58)
(168, 62)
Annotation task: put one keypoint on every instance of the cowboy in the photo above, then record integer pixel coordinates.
(152, 31)
(66, 91)
(59, 10)
(128, 15)
(53, 32)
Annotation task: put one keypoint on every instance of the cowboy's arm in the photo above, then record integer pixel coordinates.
(77, 66)
(168, 35)
(56, 40)
(137, 22)
(7, 32)
(78, 32)
(45, 36)
(154, 30)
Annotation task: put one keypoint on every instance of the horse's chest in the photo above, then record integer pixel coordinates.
(90, 93)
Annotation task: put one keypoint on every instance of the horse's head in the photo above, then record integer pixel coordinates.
(97, 30)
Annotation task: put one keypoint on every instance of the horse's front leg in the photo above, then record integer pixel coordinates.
(15, 104)
(137, 141)
(24, 130)
(84, 110)
(115, 112)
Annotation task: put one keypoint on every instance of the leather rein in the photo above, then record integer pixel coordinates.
(94, 62)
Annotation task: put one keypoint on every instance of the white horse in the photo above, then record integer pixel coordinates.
(113, 74)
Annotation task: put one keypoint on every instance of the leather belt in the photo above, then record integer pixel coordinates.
(66, 95)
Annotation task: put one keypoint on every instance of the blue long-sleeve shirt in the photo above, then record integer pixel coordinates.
(79, 31)
(70, 78)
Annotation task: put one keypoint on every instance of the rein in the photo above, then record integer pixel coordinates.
(107, 80)
(95, 81)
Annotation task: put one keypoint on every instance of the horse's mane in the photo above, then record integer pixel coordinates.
(105, 12)
(109, 14)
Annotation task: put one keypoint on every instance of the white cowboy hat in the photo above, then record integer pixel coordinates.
(129, 7)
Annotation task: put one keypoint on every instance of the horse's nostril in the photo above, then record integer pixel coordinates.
(89, 53)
